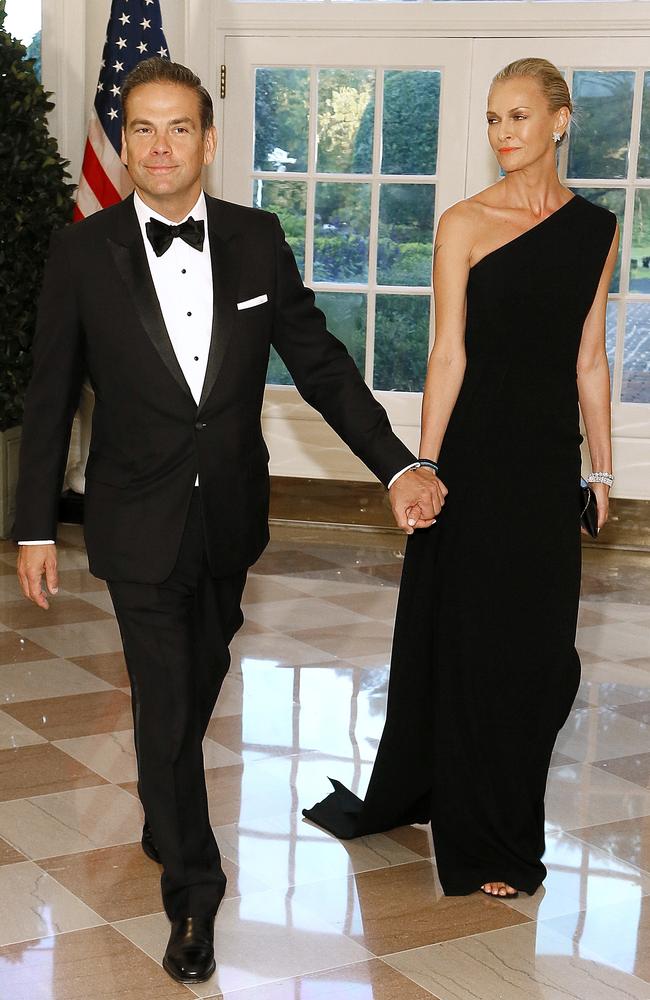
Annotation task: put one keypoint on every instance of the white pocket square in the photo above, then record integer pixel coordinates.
(249, 303)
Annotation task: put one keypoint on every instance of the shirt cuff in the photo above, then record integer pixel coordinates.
(46, 541)
(407, 468)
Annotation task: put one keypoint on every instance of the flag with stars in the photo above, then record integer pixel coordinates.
(134, 33)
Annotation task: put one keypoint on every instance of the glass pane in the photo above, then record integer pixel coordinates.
(614, 200)
(401, 342)
(640, 259)
(636, 354)
(346, 109)
(281, 119)
(23, 21)
(341, 232)
(346, 319)
(643, 169)
(611, 325)
(411, 116)
(288, 199)
(277, 373)
(405, 234)
(599, 143)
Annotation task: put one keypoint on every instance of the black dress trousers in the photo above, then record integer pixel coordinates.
(175, 636)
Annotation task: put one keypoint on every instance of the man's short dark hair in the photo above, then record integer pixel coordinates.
(157, 70)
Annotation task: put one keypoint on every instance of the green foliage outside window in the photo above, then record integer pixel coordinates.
(401, 342)
(36, 199)
(410, 126)
(281, 114)
(643, 169)
(600, 138)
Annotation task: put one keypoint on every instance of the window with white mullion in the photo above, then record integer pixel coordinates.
(637, 107)
(626, 241)
(348, 178)
(404, 289)
(609, 142)
(616, 376)
(630, 310)
(330, 286)
(311, 171)
(408, 181)
(630, 188)
(374, 225)
(273, 175)
(563, 158)
(363, 174)
(602, 182)
(335, 286)
(369, 367)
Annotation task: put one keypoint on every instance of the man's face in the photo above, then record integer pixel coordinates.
(163, 146)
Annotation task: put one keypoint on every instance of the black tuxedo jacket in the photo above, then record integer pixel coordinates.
(99, 315)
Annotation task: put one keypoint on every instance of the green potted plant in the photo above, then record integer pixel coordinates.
(36, 198)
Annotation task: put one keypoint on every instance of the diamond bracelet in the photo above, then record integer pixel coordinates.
(601, 477)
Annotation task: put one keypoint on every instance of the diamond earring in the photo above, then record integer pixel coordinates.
(557, 136)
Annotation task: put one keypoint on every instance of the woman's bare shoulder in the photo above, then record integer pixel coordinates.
(456, 223)
(465, 222)
(471, 212)
(459, 225)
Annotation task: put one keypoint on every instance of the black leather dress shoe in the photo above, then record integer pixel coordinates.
(148, 845)
(190, 952)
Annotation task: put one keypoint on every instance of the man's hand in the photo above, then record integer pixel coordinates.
(417, 498)
(34, 561)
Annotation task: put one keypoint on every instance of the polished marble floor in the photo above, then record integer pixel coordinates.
(307, 917)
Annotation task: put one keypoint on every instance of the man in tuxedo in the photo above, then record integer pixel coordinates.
(169, 302)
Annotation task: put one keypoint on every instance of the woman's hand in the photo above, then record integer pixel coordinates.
(601, 492)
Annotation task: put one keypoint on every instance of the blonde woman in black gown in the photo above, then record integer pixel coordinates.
(484, 668)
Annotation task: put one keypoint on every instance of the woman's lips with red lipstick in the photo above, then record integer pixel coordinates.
(508, 149)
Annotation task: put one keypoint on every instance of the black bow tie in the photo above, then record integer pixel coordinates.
(161, 235)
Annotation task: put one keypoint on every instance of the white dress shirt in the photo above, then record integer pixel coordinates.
(182, 277)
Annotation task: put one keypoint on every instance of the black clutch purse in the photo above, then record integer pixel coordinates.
(589, 508)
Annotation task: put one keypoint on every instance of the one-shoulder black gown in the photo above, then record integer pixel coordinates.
(484, 667)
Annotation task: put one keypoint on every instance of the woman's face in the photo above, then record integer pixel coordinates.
(520, 125)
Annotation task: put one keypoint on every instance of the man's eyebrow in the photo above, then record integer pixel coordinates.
(173, 121)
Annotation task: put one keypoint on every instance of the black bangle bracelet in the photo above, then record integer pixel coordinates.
(428, 464)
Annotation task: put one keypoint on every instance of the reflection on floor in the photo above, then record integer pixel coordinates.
(306, 917)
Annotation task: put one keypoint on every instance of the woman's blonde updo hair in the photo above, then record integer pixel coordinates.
(549, 78)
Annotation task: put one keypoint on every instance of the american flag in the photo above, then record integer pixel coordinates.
(134, 33)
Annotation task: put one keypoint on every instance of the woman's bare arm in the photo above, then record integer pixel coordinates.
(446, 368)
(593, 382)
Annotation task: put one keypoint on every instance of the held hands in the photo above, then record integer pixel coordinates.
(34, 561)
(417, 498)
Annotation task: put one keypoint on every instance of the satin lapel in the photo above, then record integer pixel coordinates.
(131, 261)
(225, 261)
